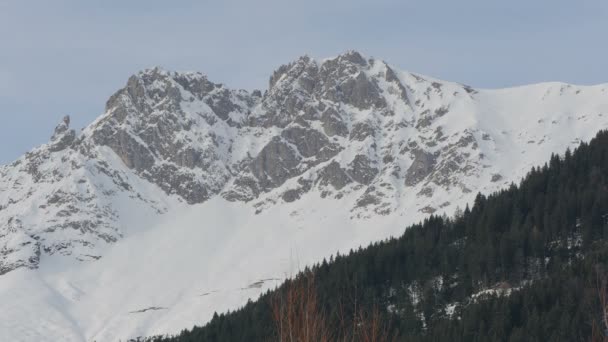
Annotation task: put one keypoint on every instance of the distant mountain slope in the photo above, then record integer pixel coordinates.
(334, 154)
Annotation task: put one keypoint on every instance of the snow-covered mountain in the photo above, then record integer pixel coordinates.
(186, 197)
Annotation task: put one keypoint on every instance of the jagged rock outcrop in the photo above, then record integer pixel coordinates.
(333, 123)
(276, 163)
(361, 170)
(310, 143)
(63, 136)
(420, 168)
(333, 174)
(163, 125)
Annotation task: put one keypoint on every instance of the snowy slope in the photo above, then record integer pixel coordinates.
(186, 197)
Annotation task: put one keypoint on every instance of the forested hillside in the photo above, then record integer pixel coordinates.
(522, 264)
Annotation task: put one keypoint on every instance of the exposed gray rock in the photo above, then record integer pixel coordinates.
(197, 84)
(222, 104)
(63, 136)
(361, 170)
(353, 57)
(13, 240)
(310, 142)
(282, 103)
(466, 140)
(421, 167)
(244, 188)
(387, 159)
(425, 119)
(361, 92)
(441, 111)
(344, 81)
(361, 131)
(132, 152)
(292, 70)
(333, 174)
(428, 210)
(163, 143)
(428, 117)
(496, 177)
(469, 89)
(371, 197)
(426, 191)
(128, 99)
(275, 163)
(444, 171)
(333, 123)
(367, 200)
(292, 195)
(392, 77)
(62, 127)
(174, 181)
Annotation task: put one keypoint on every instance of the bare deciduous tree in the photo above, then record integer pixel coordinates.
(298, 318)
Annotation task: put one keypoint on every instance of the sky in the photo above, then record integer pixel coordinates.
(66, 57)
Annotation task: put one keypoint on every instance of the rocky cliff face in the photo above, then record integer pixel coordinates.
(349, 128)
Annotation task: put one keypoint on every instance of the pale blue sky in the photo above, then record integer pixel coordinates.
(68, 56)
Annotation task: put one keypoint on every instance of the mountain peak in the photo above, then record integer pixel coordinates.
(352, 56)
(157, 86)
(155, 70)
(149, 75)
(293, 69)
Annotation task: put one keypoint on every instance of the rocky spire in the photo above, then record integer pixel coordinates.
(63, 136)
(62, 127)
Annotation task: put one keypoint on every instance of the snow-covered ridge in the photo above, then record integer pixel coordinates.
(349, 141)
